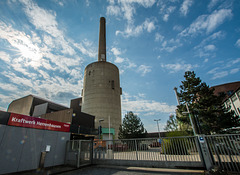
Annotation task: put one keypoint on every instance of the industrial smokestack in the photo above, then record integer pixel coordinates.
(102, 40)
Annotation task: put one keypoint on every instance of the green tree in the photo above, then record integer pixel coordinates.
(132, 127)
(172, 124)
(207, 111)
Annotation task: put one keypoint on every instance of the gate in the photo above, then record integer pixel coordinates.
(224, 151)
(78, 153)
(170, 152)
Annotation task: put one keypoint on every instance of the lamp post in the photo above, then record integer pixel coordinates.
(188, 112)
(156, 120)
(99, 128)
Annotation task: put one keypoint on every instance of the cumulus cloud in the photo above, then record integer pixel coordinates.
(5, 57)
(170, 45)
(159, 37)
(185, 7)
(127, 10)
(173, 68)
(42, 62)
(143, 69)
(140, 104)
(131, 30)
(116, 51)
(207, 23)
(119, 60)
(209, 47)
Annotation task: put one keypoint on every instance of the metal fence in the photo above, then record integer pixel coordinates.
(224, 151)
(164, 149)
(78, 152)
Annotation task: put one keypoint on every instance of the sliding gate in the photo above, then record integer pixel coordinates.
(78, 153)
(225, 151)
(203, 152)
(171, 152)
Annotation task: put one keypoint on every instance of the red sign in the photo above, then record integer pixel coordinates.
(37, 123)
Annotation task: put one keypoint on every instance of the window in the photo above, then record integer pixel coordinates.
(112, 84)
(234, 98)
(229, 92)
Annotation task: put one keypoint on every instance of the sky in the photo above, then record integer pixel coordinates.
(45, 46)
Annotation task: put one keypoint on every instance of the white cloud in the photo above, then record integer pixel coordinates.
(166, 12)
(138, 104)
(173, 68)
(170, 45)
(113, 10)
(207, 23)
(42, 19)
(148, 25)
(4, 56)
(226, 68)
(233, 71)
(238, 43)
(159, 37)
(127, 10)
(178, 28)
(217, 73)
(115, 51)
(143, 69)
(119, 60)
(212, 4)
(185, 6)
(90, 50)
(210, 47)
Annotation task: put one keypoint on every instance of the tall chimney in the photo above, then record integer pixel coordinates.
(102, 41)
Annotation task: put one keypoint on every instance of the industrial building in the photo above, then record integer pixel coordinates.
(232, 91)
(101, 94)
(82, 124)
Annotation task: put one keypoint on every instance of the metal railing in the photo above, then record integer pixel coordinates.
(164, 149)
(224, 151)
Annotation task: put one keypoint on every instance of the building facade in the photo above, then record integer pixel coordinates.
(232, 92)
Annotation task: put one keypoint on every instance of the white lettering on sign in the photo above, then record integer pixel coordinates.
(22, 120)
(48, 124)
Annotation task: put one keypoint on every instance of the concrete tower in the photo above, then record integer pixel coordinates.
(101, 95)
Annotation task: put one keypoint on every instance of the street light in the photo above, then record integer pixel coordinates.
(156, 120)
(99, 128)
(188, 112)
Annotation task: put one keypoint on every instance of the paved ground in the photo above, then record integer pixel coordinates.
(117, 170)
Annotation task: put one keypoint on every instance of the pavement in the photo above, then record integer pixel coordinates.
(109, 170)
(122, 170)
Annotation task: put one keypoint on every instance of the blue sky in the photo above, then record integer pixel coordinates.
(46, 44)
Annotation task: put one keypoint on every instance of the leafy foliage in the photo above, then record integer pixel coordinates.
(132, 127)
(206, 109)
(172, 124)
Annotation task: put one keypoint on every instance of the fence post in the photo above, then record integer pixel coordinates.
(79, 153)
(91, 151)
(164, 150)
(136, 148)
(204, 151)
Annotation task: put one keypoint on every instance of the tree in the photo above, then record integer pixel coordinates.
(132, 127)
(172, 124)
(206, 109)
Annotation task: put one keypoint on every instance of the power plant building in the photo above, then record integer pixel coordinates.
(101, 94)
